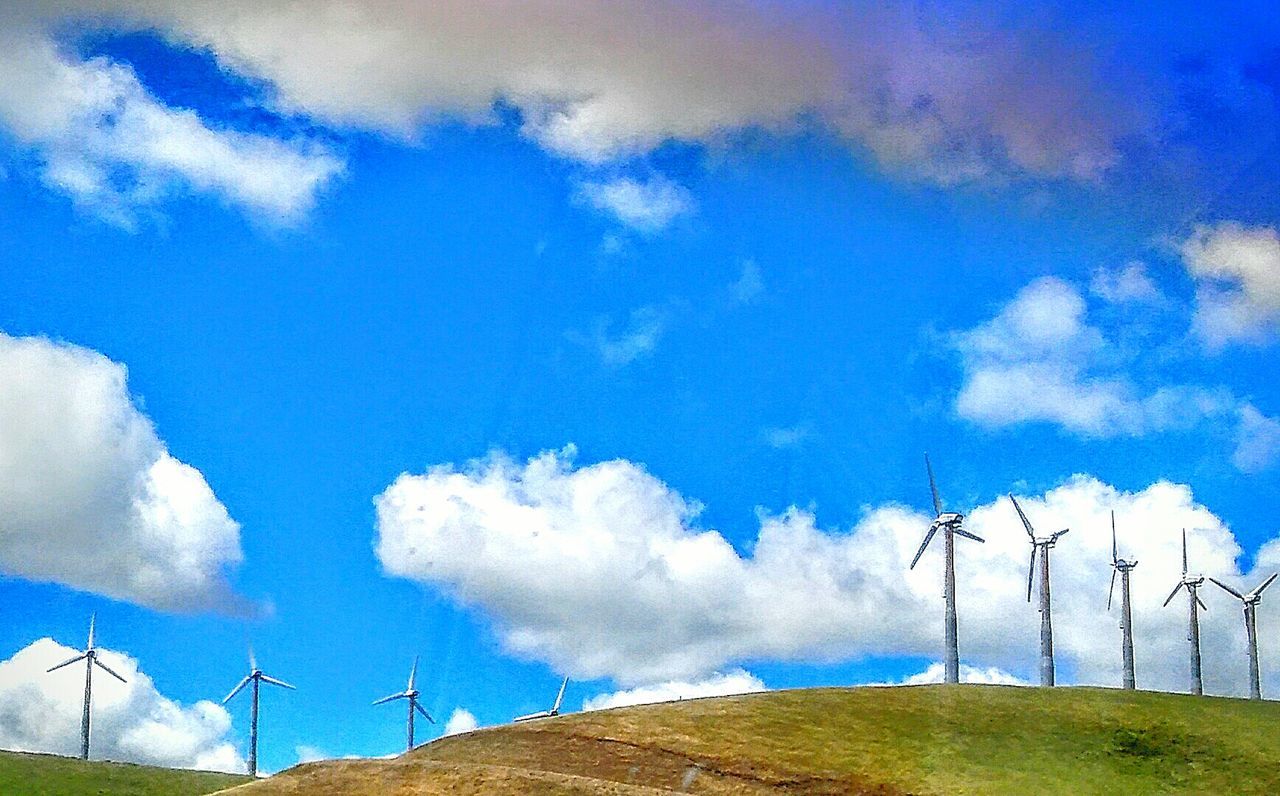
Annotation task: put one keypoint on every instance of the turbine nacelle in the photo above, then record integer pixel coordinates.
(952, 518)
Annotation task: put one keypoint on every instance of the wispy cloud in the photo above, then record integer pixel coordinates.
(645, 206)
(637, 339)
(749, 285)
(1237, 271)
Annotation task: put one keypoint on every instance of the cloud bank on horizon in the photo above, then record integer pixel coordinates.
(90, 496)
(930, 95)
(602, 571)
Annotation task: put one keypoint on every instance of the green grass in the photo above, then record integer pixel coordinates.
(918, 740)
(49, 775)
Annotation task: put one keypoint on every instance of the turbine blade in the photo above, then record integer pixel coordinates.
(933, 487)
(1184, 552)
(253, 662)
(412, 672)
(560, 696)
(108, 670)
(424, 712)
(93, 618)
(1059, 534)
(235, 690)
(1258, 591)
(1172, 593)
(68, 662)
(1031, 572)
(1111, 590)
(387, 699)
(927, 537)
(967, 535)
(1115, 553)
(541, 714)
(1227, 588)
(1202, 605)
(274, 681)
(1025, 522)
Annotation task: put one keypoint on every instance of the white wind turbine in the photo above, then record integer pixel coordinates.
(544, 714)
(90, 658)
(1191, 584)
(1124, 567)
(410, 693)
(257, 677)
(1041, 545)
(1251, 601)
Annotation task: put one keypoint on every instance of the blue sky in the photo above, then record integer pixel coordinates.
(1038, 245)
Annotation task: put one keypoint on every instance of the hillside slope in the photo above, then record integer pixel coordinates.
(50, 775)
(919, 740)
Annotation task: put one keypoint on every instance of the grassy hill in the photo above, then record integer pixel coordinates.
(918, 740)
(50, 775)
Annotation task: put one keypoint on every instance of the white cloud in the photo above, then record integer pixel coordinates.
(935, 94)
(89, 495)
(638, 339)
(132, 722)
(648, 206)
(1128, 284)
(749, 285)
(105, 141)
(1039, 360)
(1237, 270)
(936, 672)
(785, 437)
(460, 721)
(727, 684)
(602, 570)
(1257, 441)
(310, 754)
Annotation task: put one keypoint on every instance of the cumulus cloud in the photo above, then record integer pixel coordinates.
(1039, 360)
(1128, 284)
(132, 722)
(636, 340)
(603, 570)
(727, 684)
(104, 140)
(1237, 271)
(968, 674)
(647, 206)
(937, 95)
(91, 498)
(460, 721)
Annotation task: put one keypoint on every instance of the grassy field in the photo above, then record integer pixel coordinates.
(918, 740)
(49, 775)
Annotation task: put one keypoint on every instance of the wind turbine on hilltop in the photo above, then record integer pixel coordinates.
(950, 523)
(1124, 567)
(410, 693)
(256, 677)
(1251, 601)
(90, 658)
(545, 714)
(1041, 546)
(1191, 584)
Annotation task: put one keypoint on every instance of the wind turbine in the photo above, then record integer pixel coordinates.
(1041, 545)
(410, 693)
(544, 714)
(1122, 566)
(256, 677)
(90, 658)
(1251, 601)
(950, 523)
(1193, 628)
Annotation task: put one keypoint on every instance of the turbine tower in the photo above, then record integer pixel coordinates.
(950, 523)
(1041, 546)
(1193, 627)
(1124, 567)
(410, 693)
(1251, 601)
(544, 714)
(90, 658)
(256, 677)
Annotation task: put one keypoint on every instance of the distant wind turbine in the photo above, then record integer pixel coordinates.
(950, 523)
(90, 658)
(1122, 566)
(1251, 601)
(256, 677)
(1041, 546)
(1191, 584)
(410, 693)
(544, 714)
